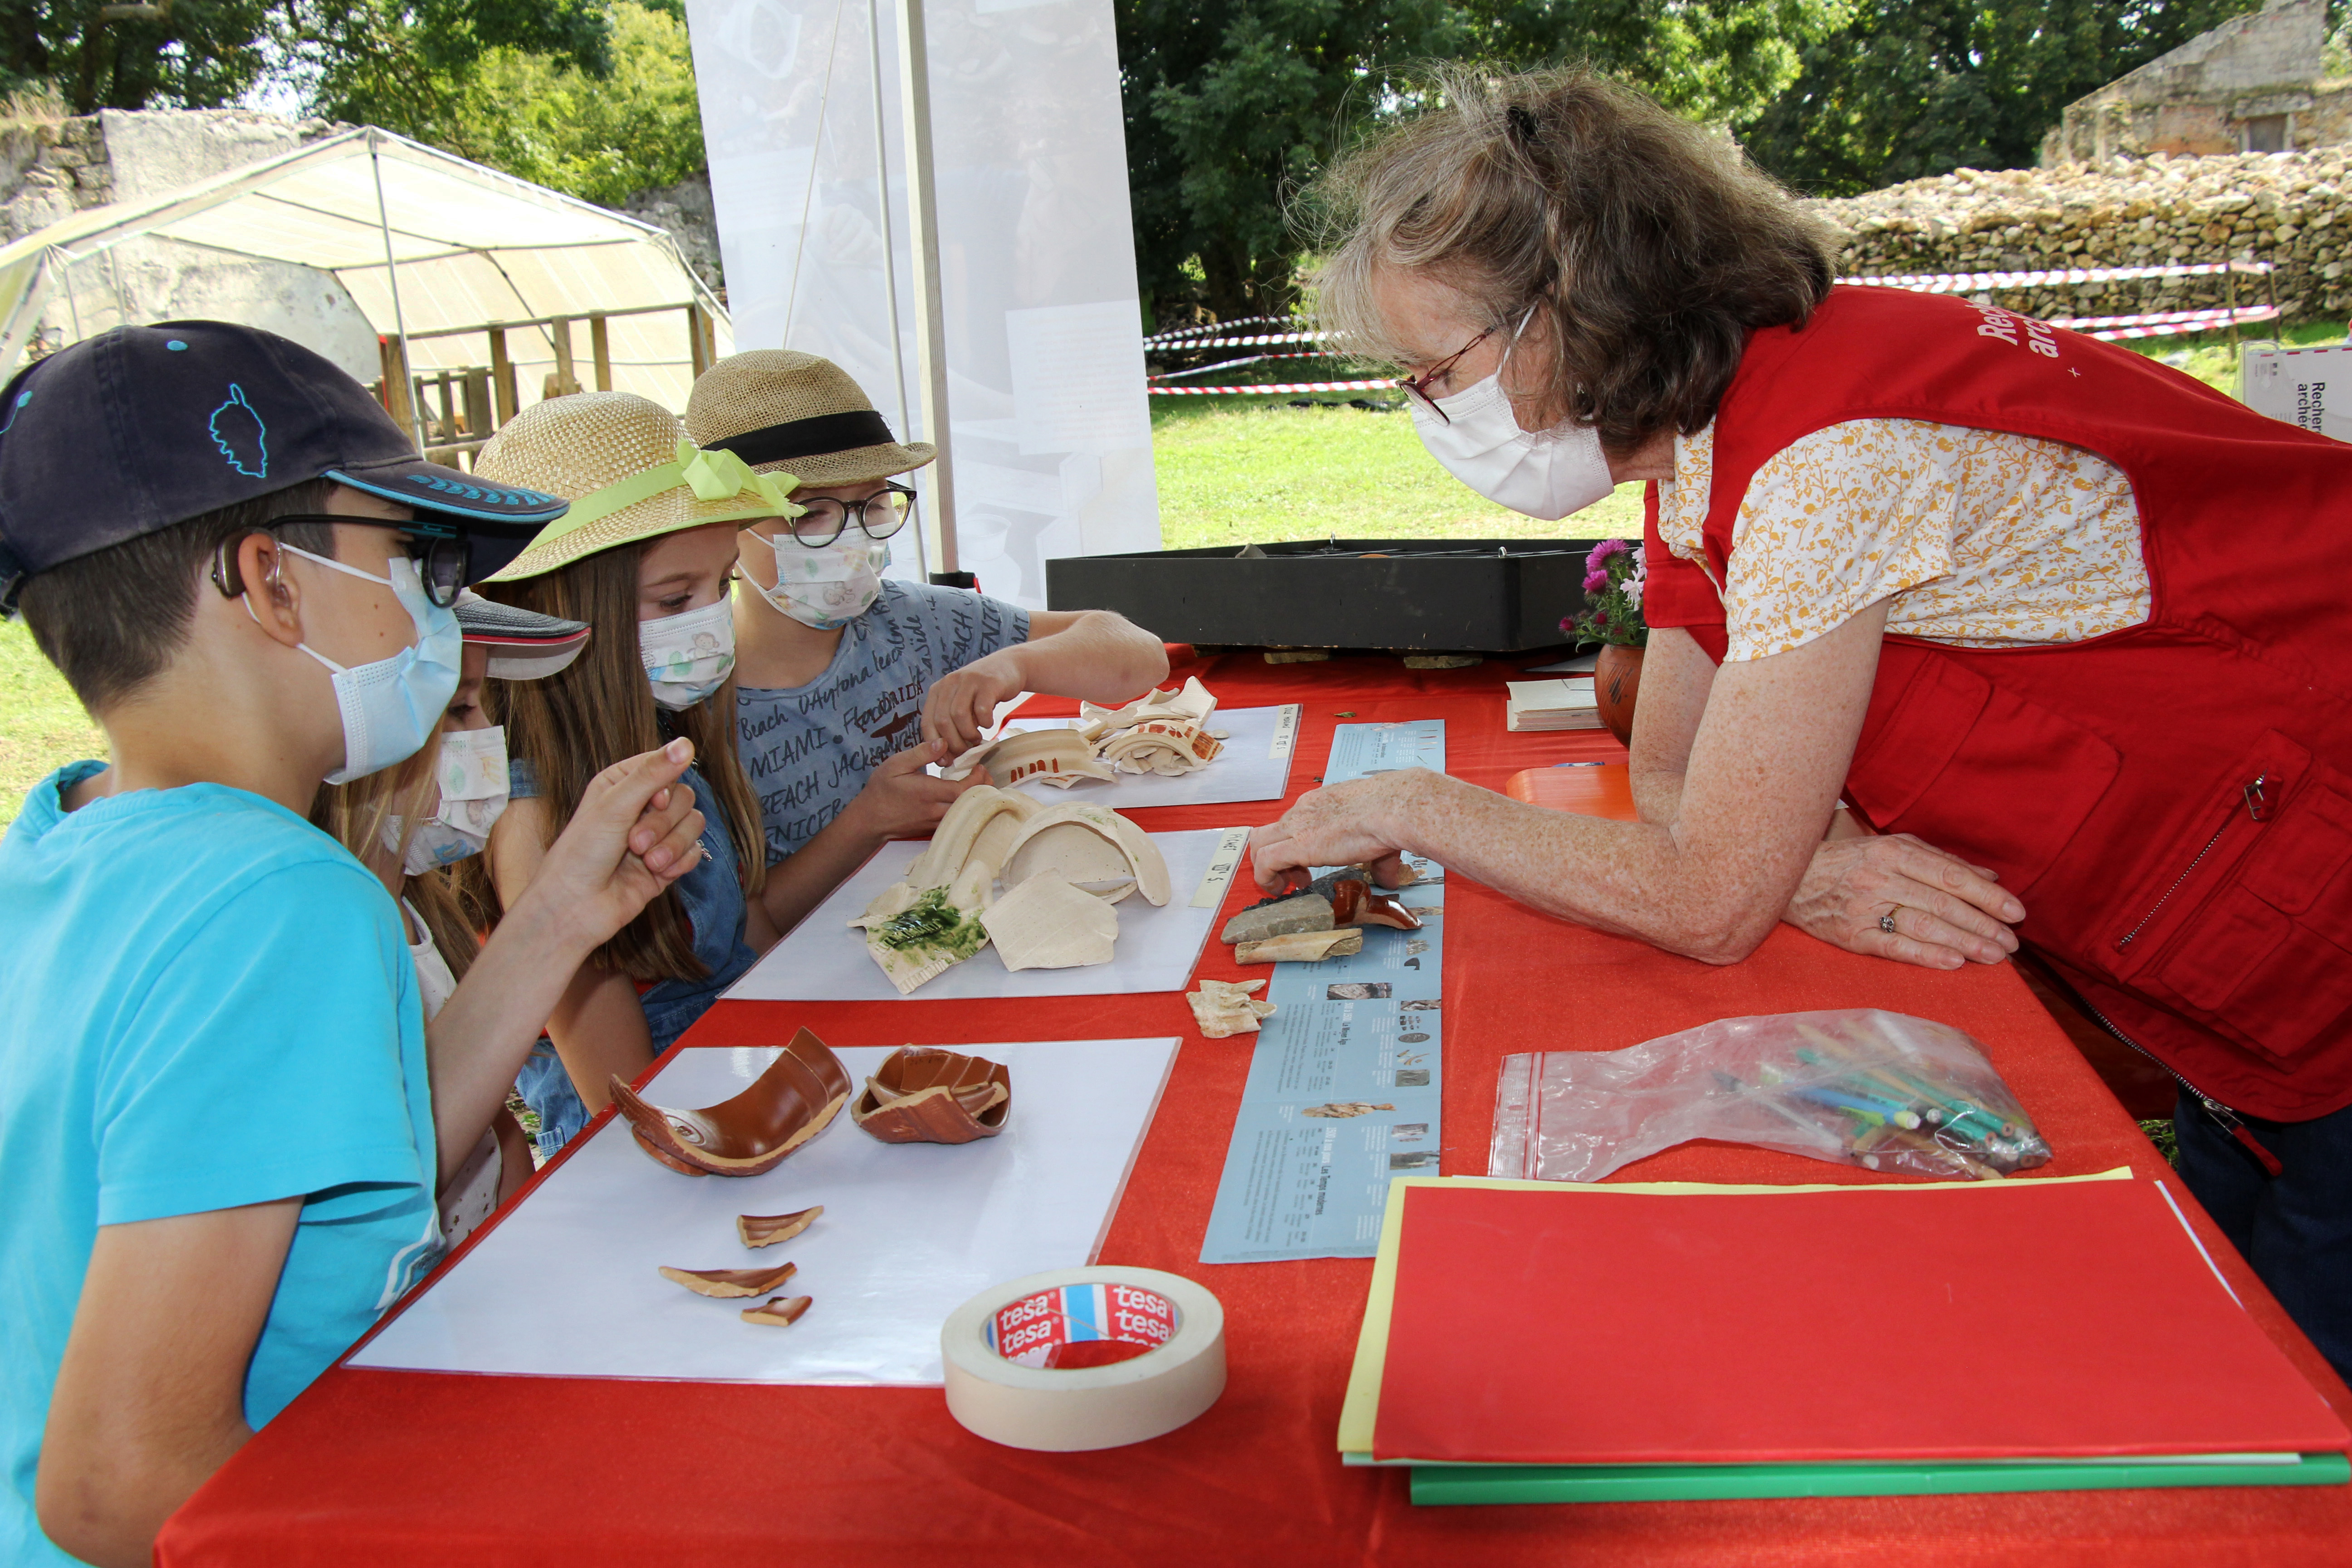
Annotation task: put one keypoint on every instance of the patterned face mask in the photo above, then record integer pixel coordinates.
(826, 587)
(688, 657)
(473, 776)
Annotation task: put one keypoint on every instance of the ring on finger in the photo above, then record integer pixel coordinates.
(1886, 921)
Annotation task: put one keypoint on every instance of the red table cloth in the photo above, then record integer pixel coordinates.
(373, 1466)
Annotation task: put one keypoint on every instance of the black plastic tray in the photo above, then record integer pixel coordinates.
(1437, 596)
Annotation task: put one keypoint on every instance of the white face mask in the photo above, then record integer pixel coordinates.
(690, 655)
(474, 788)
(830, 586)
(390, 706)
(1546, 475)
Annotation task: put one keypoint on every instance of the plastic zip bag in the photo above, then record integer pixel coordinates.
(1860, 1087)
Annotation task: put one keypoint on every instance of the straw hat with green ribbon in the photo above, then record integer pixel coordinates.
(630, 473)
(779, 408)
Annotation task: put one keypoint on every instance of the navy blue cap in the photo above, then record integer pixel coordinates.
(142, 427)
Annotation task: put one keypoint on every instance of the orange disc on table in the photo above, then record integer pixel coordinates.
(1588, 789)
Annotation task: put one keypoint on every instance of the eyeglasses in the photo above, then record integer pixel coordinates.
(880, 515)
(1419, 385)
(442, 562)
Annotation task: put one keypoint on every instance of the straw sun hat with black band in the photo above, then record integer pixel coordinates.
(779, 408)
(628, 470)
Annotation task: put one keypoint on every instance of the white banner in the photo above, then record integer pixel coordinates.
(1052, 436)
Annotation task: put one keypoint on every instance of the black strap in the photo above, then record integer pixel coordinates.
(12, 573)
(808, 437)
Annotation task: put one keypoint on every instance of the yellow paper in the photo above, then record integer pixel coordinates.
(1360, 1413)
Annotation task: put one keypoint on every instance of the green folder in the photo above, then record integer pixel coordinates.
(1443, 1484)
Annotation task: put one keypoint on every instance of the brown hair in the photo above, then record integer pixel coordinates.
(599, 710)
(1648, 248)
(355, 813)
(111, 620)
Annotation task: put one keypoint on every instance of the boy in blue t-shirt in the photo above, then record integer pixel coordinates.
(221, 1128)
(848, 685)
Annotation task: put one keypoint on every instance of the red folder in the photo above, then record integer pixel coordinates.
(1581, 1327)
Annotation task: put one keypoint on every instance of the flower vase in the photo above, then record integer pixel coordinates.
(1616, 682)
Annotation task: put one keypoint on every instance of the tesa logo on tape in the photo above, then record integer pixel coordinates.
(1082, 1325)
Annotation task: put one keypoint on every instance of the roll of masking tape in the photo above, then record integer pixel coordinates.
(1084, 1358)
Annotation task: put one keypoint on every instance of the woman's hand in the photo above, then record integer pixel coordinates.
(1946, 910)
(632, 835)
(1342, 824)
(962, 704)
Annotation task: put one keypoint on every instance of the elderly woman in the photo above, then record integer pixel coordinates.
(2068, 617)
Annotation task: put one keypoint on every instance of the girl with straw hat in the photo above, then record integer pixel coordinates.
(851, 684)
(644, 556)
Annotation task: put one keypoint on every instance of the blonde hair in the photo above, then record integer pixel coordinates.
(1646, 246)
(356, 815)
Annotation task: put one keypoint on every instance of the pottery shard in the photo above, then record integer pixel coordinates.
(1300, 947)
(786, 1106)
(1094, 848)
(781, 1311)
(1053, 756)
(766, 1230)
(922, 1095)
(1046, 924)
(1227, 1007)
(1347, 896)
(732, 1281)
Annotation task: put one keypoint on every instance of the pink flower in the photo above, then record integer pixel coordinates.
(1596, 580)
(1604, 549)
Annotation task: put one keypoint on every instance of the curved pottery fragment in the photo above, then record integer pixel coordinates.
(979, 825)
(1092, 847)
(781, 1311)
(923, 1095)
(766, 1230)
(785, 1106)
(732, 1281)
(1347, 896)
(1053, 756)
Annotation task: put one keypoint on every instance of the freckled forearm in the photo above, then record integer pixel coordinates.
(1104, 659)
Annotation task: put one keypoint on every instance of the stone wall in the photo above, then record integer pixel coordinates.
(2293, 209)
(2251, 85)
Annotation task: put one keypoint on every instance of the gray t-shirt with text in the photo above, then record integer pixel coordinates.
(809, 748)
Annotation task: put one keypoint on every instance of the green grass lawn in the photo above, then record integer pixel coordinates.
(41, 725)
(1232, 470)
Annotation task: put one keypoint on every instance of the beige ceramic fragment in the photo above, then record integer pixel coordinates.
(779, 1311)
(1092, 847)
(767, 1229)
(931, 935)
(952, 841)
(1046, 924)
(732, 1281)
(1054, 756)
(1302, 947)
(1225, 1007)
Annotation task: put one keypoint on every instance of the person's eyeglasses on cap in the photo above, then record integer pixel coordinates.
(879, 515)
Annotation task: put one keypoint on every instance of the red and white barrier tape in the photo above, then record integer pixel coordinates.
(1247, 342)
(1234, 364)
(1271, 390)
(2242, 318)
(1186, 335)
(1962, 282)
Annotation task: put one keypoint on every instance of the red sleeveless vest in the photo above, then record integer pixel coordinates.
(2173, 803)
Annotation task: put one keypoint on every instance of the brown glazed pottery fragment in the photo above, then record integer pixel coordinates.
(923, 1095)
(781, 1310)
(788, 1105)
(730, 1282)
(766, 1230)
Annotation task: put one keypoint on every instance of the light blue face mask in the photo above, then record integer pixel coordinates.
(392, 706)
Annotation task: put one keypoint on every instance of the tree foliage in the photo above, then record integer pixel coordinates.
(1230, 103)
(1914, 88)
(196, 54)
(406, 65)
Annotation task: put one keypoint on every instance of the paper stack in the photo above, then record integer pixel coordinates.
(1547, 1342)
(1566, 703)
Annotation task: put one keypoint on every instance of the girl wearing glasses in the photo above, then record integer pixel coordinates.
(850, 683)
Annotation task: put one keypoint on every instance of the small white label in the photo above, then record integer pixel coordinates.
(1221, 866)
(1286, 732)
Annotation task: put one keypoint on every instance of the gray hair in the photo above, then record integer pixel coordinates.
(1647, 246)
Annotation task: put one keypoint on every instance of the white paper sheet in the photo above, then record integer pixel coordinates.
(567, 1284)
(1255, 765)
(826, 960)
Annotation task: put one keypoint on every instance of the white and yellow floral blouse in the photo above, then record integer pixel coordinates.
(1983, 539)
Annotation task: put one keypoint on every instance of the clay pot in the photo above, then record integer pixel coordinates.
(1616, 682)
